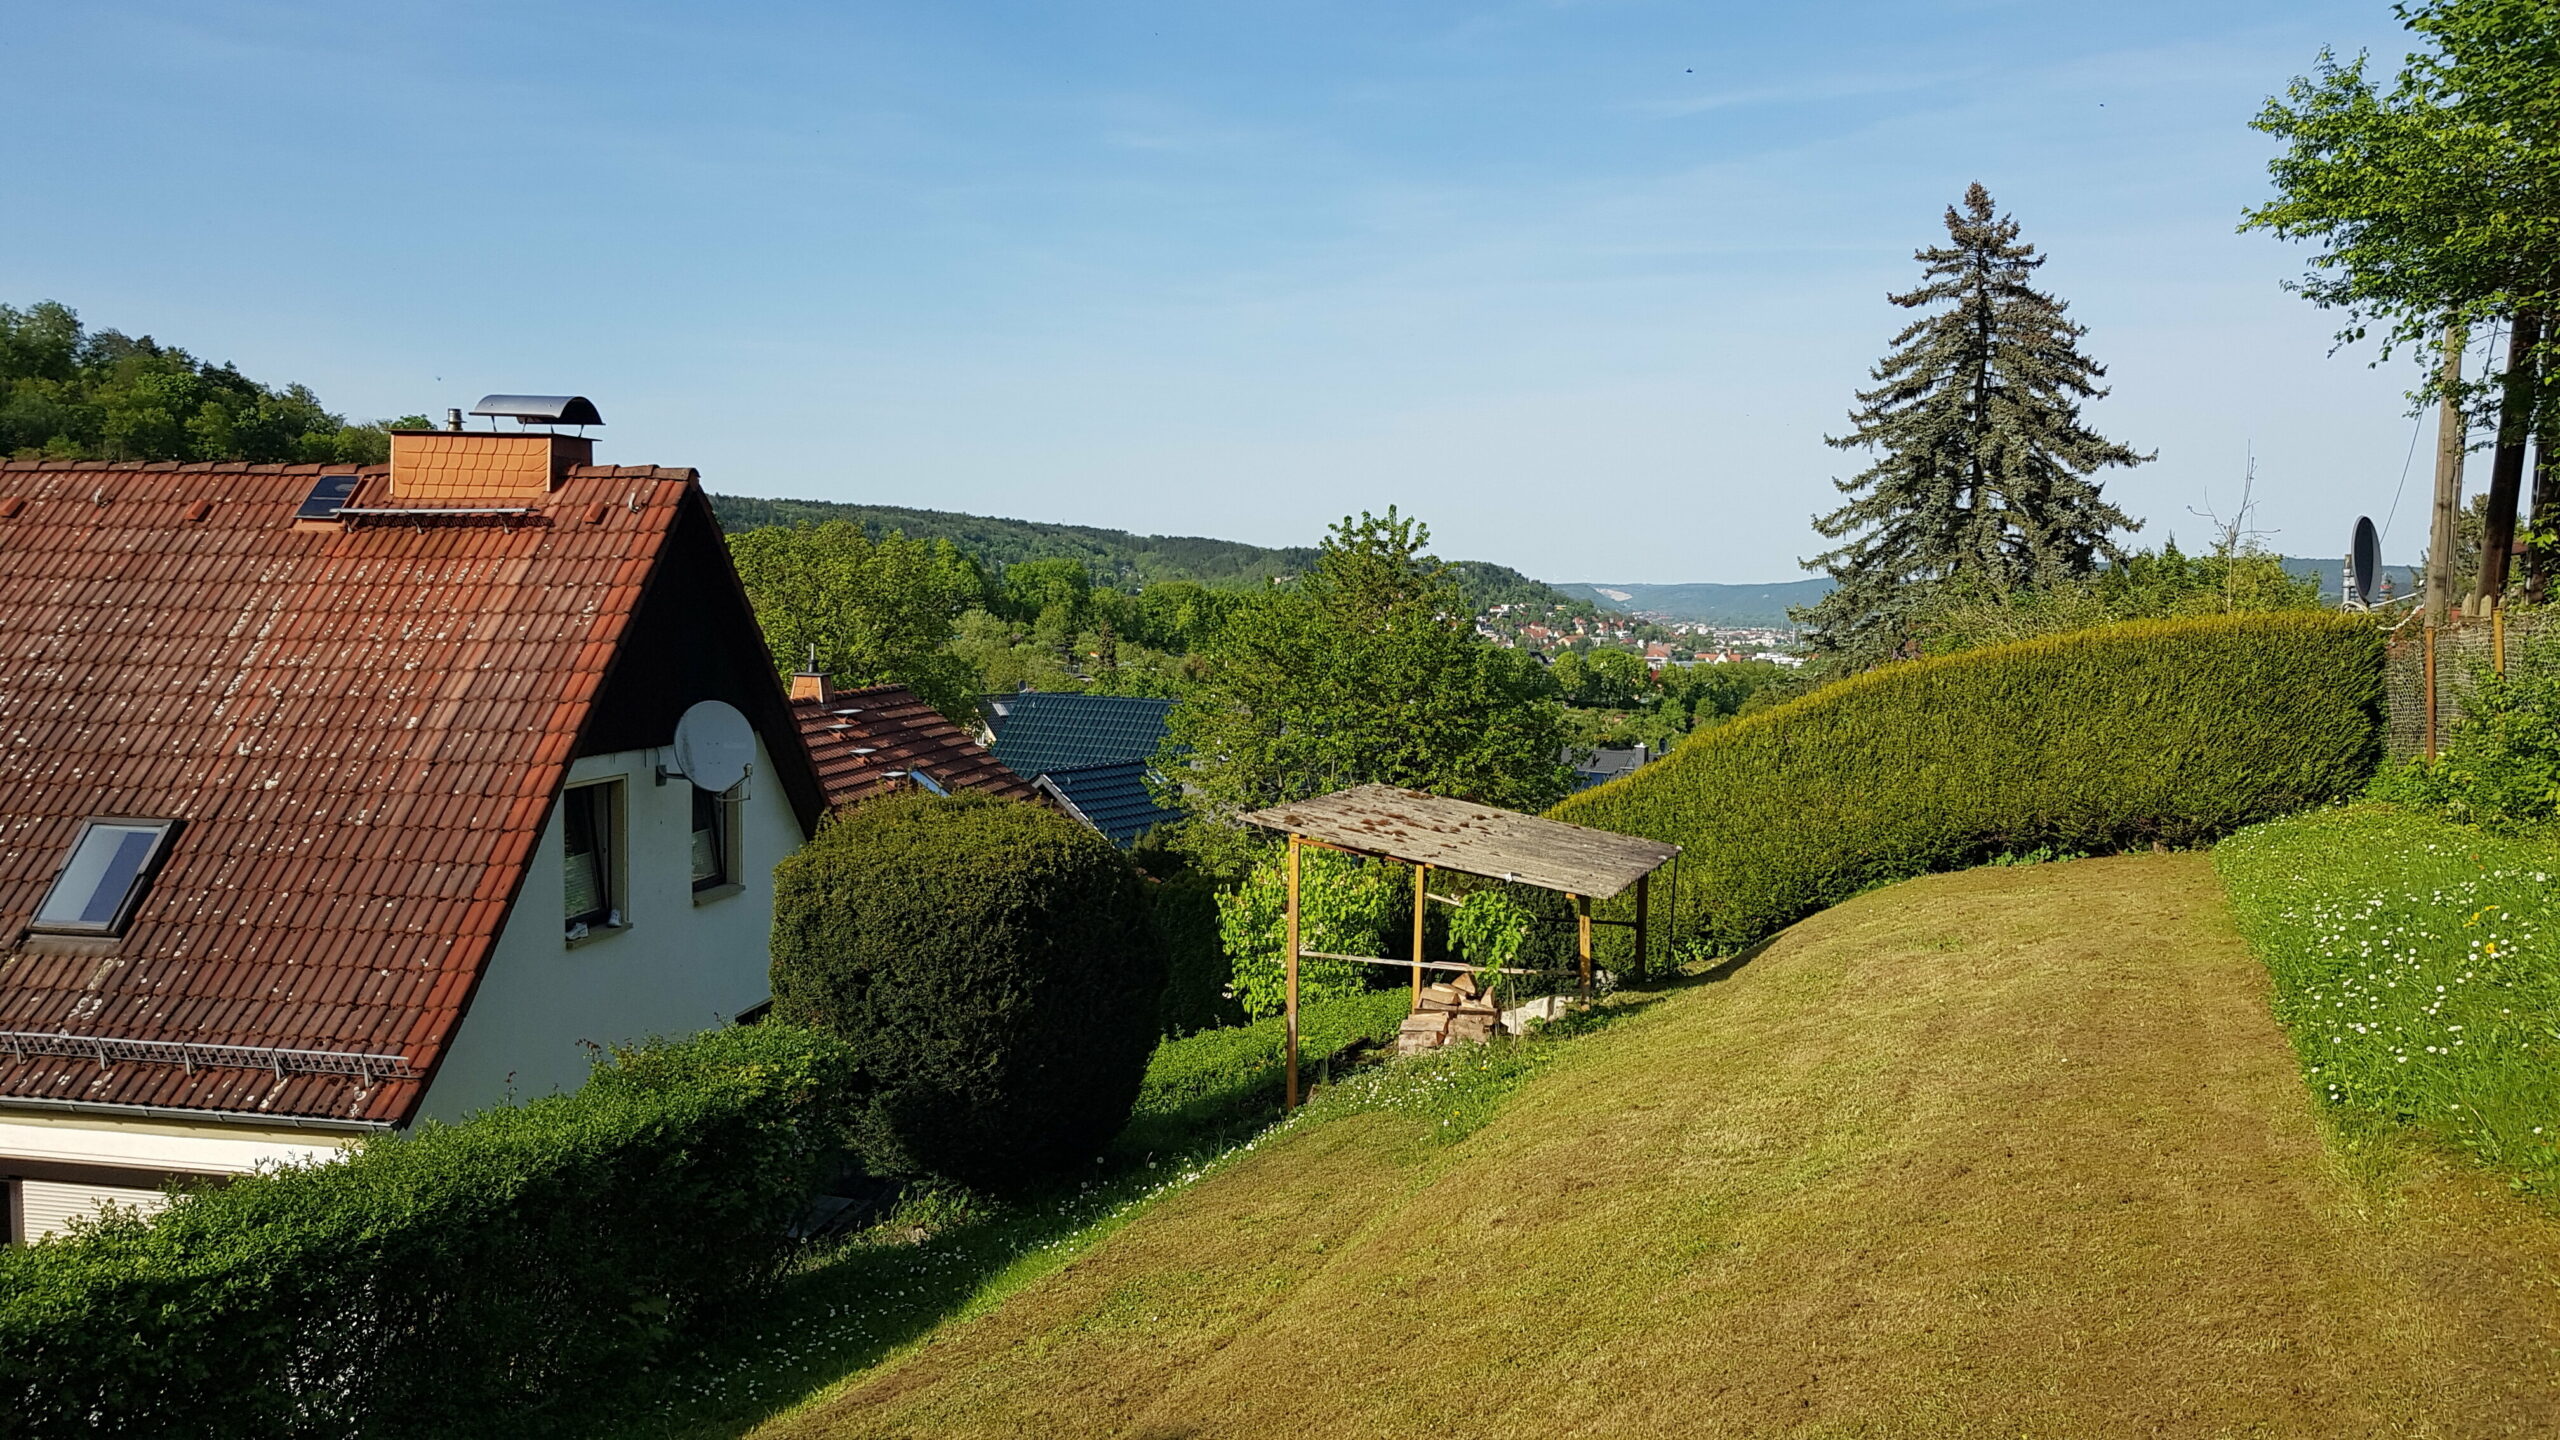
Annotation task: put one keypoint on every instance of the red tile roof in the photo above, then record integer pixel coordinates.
(362, 730)
(902, 733)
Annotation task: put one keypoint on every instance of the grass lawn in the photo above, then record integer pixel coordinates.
(2417, 964)
(2013, 1151)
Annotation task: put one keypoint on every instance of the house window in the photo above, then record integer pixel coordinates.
(714, 827)
(591, 845)
(109, 868)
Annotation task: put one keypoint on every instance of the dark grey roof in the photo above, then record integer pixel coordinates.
(1040, 731)
(1111, 798)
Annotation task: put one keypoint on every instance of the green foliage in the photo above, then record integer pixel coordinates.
(1119, 561)
(873, 611)
(1600, 677)
(481, 1279)
(1210, 1083)
(2166, 584)
(2438, 197)
(2500, 768)
(1366, 670)
(1983, 469)
(992, 962)
(70, 393)
(2415, 969)
(1347, 905)
(1490, 928)
(2170, 732)
(1197, 977)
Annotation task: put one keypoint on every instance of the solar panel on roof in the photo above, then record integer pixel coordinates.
(328, 497)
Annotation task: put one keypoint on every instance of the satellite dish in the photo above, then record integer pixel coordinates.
(2364, 564)
(714, 745)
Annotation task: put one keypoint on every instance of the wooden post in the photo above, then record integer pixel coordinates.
(1644, 930)
(2431, 694)
(1582, 945)
(2451, 438)
(1291, 1061)
(1421, 896)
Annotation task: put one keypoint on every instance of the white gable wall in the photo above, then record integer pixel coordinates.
(676, 968)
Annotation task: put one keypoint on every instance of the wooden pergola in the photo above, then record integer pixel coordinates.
(1432, 832)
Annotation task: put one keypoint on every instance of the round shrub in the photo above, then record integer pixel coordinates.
(993, 964)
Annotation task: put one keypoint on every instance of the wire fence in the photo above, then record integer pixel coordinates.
(2429, 673)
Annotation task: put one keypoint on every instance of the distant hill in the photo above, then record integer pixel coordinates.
(1706, 603)
(1116, 557)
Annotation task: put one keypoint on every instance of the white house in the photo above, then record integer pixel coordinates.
(335, 799)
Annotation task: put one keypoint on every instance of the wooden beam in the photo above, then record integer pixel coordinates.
(1383, 960)
(1644, 931)
(1582, 947)
(1291, 1099)
(1421, 892)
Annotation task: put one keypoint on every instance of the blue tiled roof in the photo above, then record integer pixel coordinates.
(1041, 731)
(1111, 798)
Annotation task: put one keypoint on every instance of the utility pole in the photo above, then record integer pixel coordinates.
(2450, 435)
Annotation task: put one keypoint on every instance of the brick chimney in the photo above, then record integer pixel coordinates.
(808, 685)
(439, 466)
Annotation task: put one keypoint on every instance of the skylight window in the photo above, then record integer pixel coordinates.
(110, 866)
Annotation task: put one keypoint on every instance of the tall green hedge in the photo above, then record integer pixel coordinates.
(488, 1278)
(2159, 731)
(995, 965)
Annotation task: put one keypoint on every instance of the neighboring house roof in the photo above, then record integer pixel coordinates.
(1111, 798)
(362, 729)
(1039, 731)
(870, 741)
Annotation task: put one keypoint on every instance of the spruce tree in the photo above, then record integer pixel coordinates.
(1982, 482)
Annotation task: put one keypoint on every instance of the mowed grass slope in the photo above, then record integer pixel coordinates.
(2011, 1151)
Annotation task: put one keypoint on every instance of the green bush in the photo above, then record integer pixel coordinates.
(2171, 732)
(2417, 967)
(1346, 904)
(1205, 1084)
(485, 1278)
(994, 965)
(2500, 768)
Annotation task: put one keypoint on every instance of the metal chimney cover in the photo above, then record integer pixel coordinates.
(552, 409)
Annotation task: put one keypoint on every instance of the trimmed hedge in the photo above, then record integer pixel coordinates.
(491, 1277)
(995, 965)
(2172, 732)
(1197, 975)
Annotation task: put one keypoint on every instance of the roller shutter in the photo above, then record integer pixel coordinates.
(45, 1206)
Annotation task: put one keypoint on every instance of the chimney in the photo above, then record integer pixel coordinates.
(441, 466)
(809, 686)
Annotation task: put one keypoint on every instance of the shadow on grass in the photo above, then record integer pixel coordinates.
(847, 1308)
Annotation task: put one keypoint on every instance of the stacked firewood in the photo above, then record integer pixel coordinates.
(1455, 1011)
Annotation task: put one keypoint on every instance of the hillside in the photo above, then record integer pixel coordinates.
(1937, 1161)
(1117, 557)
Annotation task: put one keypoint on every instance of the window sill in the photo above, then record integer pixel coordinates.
(718, 892)
(594, 934)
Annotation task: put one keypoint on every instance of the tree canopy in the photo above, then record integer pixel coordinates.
(1366, 670)
(872, 612)
(1983, 471)
(71, 393)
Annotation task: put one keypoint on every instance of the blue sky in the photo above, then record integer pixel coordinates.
(1583, 284)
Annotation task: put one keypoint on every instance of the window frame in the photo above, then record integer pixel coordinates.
(611, 817)
(725, 812)
(166, 835)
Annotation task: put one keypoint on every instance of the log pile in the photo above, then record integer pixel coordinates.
(1453, 1012)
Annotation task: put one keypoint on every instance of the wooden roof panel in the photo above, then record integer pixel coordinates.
(1425, 829)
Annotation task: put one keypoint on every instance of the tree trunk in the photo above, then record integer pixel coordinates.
(2506, 469)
